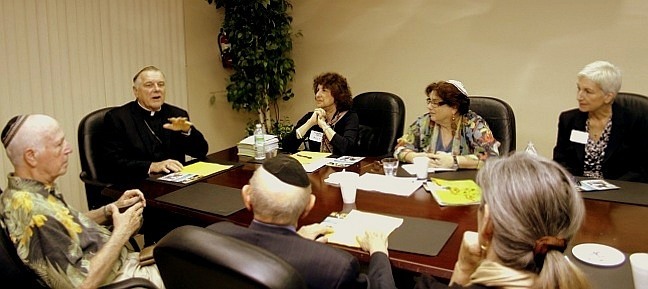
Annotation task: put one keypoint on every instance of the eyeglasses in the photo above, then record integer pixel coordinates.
(434, 103)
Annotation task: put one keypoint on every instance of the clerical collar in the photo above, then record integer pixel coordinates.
(151, 111)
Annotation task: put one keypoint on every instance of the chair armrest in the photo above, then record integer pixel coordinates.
(90, 181)
(131, 284)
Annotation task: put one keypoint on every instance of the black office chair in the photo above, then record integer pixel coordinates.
(15, 274)
(637, 102)
(382, 116)
(195, 257)
(89, 137)
(500, 118)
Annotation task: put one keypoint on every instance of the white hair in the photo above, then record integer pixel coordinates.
(605, 74)
(275, 200)
(30, 135)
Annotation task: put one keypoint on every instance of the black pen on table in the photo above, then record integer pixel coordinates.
(303, 156)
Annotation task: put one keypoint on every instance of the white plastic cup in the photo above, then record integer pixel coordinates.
(390, 166)
(349, 186)
(421, 167)
(639, 264)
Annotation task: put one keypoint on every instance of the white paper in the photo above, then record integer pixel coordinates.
(315, 165)
(356, 223)
(595, 185)
(409, 168)
(388, 184)
(268, 139)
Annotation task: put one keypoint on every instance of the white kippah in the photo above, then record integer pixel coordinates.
(458, 85)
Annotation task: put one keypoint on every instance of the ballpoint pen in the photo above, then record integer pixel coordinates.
(303, 156)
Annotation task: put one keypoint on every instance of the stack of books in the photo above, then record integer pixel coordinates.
(246, 146)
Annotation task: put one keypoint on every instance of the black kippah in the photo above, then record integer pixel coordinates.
(288, 170)
(12, 127)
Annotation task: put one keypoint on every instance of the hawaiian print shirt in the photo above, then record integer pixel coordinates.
(473, 136)
(54, 240)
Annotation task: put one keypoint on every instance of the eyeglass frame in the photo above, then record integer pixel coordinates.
(429, 101)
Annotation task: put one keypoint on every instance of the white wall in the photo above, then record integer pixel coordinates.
(524, 52)
(222, 126)
(66, 58)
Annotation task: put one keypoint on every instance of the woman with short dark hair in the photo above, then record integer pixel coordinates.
(332, 126)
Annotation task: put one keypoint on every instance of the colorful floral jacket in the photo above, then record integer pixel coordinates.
(473, 137)
(54, 240)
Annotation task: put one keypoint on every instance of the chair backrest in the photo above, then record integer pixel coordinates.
(89, 137)
(500, 118)
(382, 117)
(638, 102)
(195, 257)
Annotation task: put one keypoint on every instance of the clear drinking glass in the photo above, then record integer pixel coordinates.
(390, 166)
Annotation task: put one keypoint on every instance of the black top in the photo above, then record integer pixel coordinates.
(134, 139)
(344, 141)
(626, 154)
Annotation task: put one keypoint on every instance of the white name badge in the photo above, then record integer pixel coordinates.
(316, 136)
(578, 136)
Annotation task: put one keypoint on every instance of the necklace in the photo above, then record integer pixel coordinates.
(152, 132)
(601, 127)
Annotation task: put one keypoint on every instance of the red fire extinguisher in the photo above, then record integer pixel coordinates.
(225, 49)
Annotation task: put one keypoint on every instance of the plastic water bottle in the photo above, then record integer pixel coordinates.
(530, 149)
(259, 143)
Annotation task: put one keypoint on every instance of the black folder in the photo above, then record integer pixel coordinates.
(205, 197)
(421, 236)
(629, 193)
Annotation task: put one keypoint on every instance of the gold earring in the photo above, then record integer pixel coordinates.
(483, 249)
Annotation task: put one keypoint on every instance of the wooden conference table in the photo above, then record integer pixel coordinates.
(619, 225)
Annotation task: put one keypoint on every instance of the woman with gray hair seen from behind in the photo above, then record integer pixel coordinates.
(529, 211)
(600, 138)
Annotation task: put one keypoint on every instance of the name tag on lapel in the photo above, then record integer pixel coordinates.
(316, 136)
(578, 136)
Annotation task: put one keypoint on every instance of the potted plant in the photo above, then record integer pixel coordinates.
(260, 35)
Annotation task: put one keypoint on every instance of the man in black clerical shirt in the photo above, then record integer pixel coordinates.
(147, 135)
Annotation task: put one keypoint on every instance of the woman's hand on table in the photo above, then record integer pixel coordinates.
(441, 160)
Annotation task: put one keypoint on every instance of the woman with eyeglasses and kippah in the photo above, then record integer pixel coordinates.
(530, 209)
(449, 134)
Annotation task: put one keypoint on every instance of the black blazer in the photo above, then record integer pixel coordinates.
(626, 154)
(343, 142)
(129, 146)
(320, 265)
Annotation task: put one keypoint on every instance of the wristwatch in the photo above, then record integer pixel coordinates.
(456, 163)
